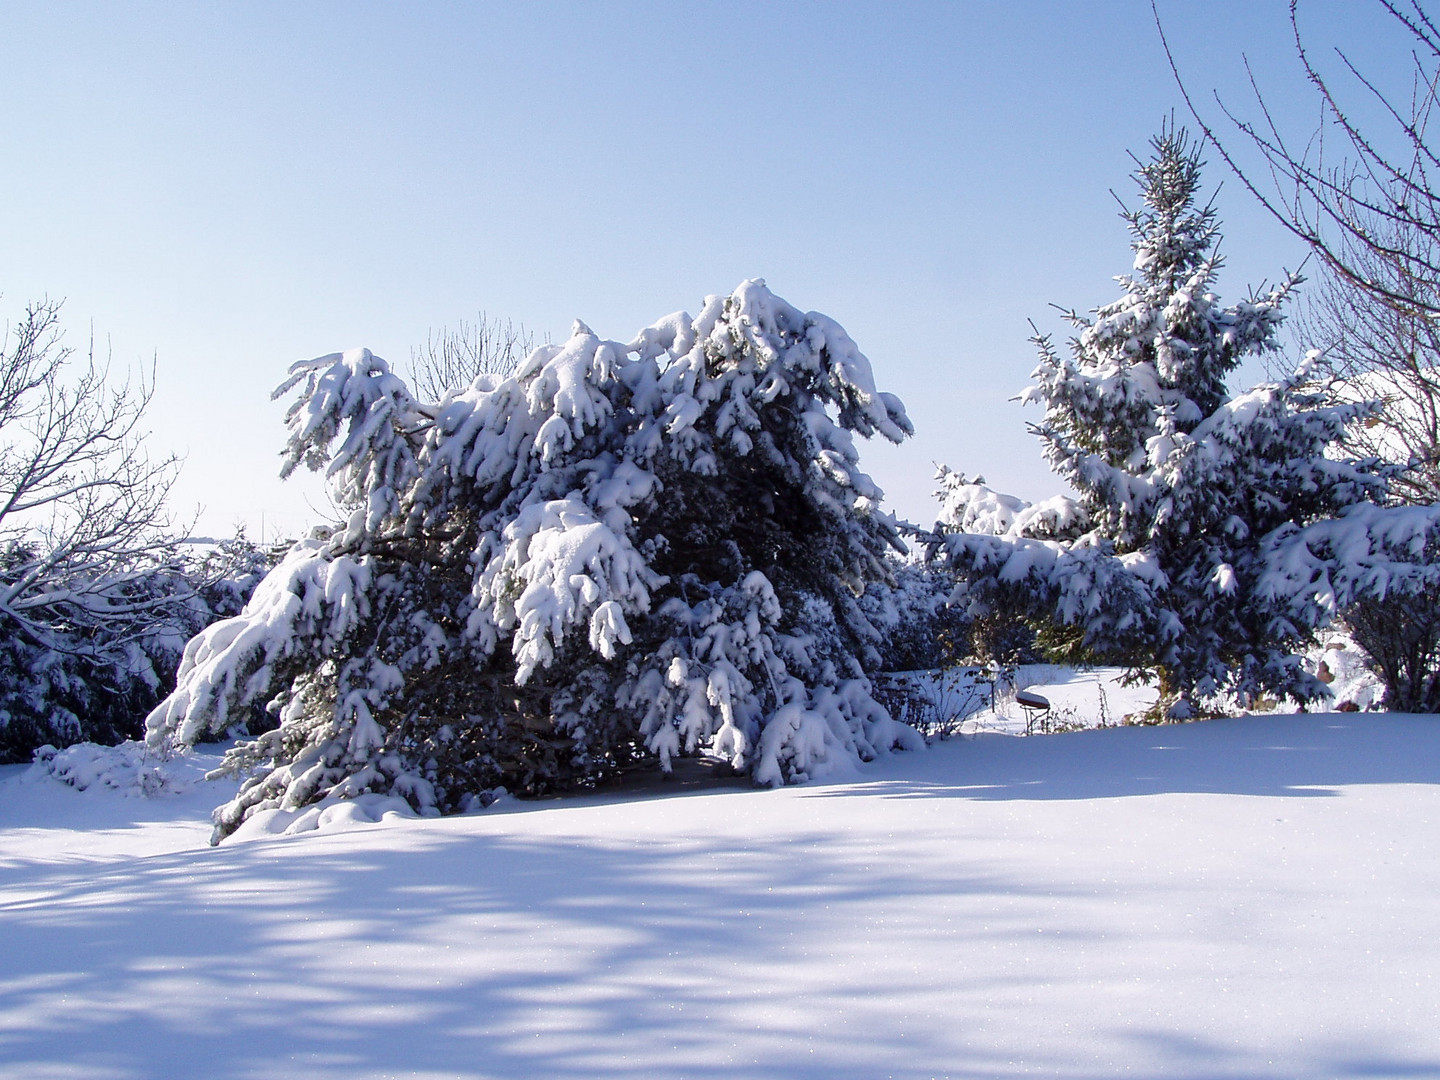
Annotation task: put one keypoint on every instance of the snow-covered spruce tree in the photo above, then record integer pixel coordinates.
(1184, 489)
(618, 552)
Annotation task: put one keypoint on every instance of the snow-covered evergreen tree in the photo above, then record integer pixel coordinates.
(1185, 490)
(618, 552)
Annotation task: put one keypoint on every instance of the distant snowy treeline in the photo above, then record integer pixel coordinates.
(94, 656)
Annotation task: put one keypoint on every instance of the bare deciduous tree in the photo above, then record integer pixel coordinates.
(1368, 207)
(1388, 355)
(1362, 194)
(80, 499)
(451, 359)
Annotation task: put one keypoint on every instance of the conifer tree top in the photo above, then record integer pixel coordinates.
(1148, 368)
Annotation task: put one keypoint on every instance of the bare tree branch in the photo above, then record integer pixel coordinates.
(82, 505)
(1378, 202)
(1373, 220)
(451, 359)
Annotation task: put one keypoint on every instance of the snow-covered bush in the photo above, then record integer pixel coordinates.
(88, 667)
(619, 552)
(1000, 628)
(1401, 635)
(126, 768)
(1347, 670)
(1193, 503)
(1380, 567)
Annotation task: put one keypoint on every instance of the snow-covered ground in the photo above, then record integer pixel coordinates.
(1254, 897)
(968, 700)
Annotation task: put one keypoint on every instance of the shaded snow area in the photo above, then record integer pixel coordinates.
(1250, 897)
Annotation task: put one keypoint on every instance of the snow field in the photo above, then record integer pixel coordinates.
(1240, 898)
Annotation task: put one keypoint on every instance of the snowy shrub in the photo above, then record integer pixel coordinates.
(926, 642)
(1380, 567)
(89, 666)
(1348, 671)
(128, 768)
(1402, 637)
(617, 553)
(1197, 546)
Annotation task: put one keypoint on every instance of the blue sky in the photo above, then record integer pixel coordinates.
(230, 187)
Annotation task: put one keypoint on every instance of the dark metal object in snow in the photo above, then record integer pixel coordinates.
(1036, 708)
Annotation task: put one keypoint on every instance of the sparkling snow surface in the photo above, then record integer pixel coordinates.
(1240, 898)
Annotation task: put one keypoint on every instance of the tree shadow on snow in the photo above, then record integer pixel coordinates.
(446, 955)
